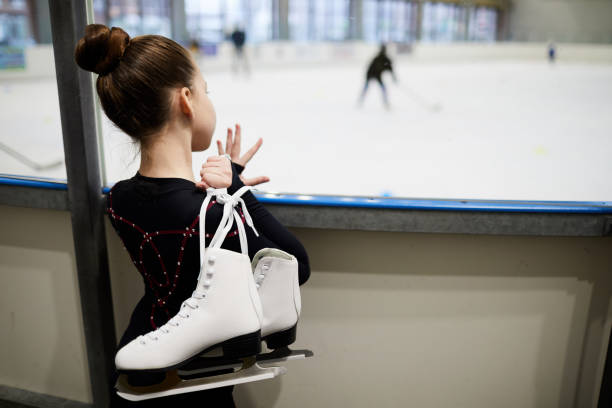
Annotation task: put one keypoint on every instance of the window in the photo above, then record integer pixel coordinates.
(444, 22)
(210, 22)
(31, 141)
(389, 21)
(483, 24)
(134, 16)
(205, 20)
(319, 20)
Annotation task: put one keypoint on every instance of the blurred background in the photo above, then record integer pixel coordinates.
(497, 99)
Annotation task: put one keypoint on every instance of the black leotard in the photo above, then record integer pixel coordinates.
(157, 220)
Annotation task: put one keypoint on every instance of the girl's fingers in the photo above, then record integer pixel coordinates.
(220, 148)
(221, 163)
(236, 145)
(209, 166)
(202, 185)
(228, 142)
(251, 152)
(255, 180)
(218, 165)
(215, 172)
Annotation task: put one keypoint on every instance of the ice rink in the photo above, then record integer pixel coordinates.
(505, 130)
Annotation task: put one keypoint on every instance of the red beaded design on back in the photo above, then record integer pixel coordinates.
(162, 290)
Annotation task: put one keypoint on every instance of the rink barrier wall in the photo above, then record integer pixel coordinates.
(567, 207)
(488, 217)
(14, 397)
(281, 54)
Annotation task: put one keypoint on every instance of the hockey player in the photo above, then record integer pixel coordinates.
(377, 67)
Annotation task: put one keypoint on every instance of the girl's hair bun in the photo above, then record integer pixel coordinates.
(101, 49)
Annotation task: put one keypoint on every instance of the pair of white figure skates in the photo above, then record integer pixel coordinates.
(235, 306)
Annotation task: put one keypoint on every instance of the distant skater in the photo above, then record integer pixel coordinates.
(194, 47)
(238, 38)
(552, 53)
(377, 67)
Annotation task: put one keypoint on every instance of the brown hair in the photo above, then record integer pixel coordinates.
(134, 75)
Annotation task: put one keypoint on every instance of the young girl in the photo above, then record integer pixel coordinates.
(151, 88)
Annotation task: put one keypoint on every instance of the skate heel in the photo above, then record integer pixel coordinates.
(246, 345)
(281, 338)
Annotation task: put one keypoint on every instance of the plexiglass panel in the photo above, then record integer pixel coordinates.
(31, 135)
(466, 113)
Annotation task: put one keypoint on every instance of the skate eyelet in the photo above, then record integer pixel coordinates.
(142, 342)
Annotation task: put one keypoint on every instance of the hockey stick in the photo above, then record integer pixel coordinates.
(31, 164)
(420, 100)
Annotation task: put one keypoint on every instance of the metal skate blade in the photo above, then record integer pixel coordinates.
(174, 385)
(205, 365)
(283, 354)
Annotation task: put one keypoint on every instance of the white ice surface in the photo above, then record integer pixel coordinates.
(506, 130)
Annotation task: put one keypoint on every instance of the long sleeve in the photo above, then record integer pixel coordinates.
(272, 234)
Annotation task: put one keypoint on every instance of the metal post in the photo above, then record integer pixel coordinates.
(356, 19)
(39, 21)
(283, 19)
(68, 20)
(274, 19)
(419, 20)
(605, 393)
(107, 16)
(178, 21)
(503, 22)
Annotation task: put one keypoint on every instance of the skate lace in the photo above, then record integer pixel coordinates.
(259, 278)
(230, 214)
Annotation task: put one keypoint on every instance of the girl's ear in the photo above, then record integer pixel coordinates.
(185, 102)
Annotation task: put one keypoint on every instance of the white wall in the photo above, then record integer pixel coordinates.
(42, 344)
(430, 320)
(583, 21)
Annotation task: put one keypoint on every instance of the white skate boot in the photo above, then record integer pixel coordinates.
(275, 274)
(224, 311)
(276, 278)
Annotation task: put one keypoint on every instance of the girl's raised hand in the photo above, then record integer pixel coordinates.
(232, 147)
(215, 173)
